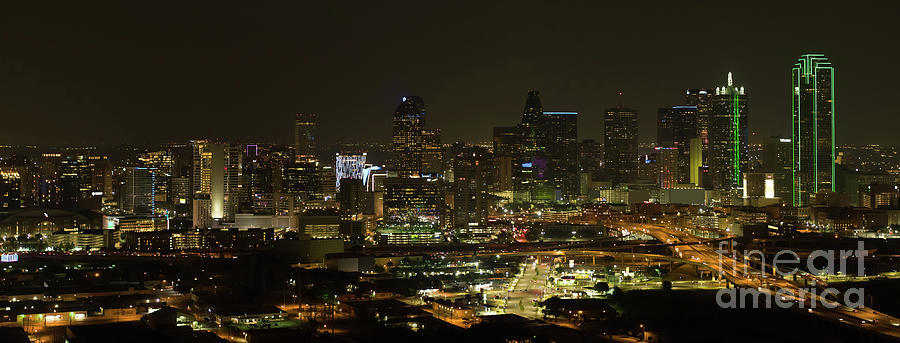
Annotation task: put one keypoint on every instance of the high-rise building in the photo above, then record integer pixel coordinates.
(410, 199)
(303, 180)
(561, 151)
(138, 193)
(257, 177)
(728, 147)
(348, 166)
(532, 133)
(506, 150)
(530, 147)
(408, 143)
(432, 153)
(305, 127)
(777, 160)
(217, 176)
(702, 99)
(350, 196)
(676, 127)
(10, 195)
(668, 160)
(621, 143)
(164, 163)
(812, 127)
(471, 175)
(74, 181)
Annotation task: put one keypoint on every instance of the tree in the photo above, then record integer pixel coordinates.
(601, 287)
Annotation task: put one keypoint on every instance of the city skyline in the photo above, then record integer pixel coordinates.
(478, 172)
(241, 83)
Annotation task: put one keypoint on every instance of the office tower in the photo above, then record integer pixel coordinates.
(758, 185)
(777, 160)
(531, 127)
(303, 180)
(305, 127)
(348, 166)
(413, 199)
(561, 152)
(256, 177)
(10, 190)
(350, 196)
(530, 148)
(180, 195)
(432, 153)
(676, 127)
(812, 127)
(163, 162)
(702, 99)
(74, 181)
(667, 159)
(696, 162)
(48, 179)
(328, 184)
(879, 196)
(620, 150)
(138, 193)
(728, 148)
(471, 175)
(101, 177)
(408, 144)
(226, 175)
(373, 178)
(201, 167)
(217, 175)
(590, 155)
(506, 150)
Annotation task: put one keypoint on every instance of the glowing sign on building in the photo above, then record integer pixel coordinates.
(348, 166)
(9, 257)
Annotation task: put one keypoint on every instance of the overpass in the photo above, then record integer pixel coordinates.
(733, 268)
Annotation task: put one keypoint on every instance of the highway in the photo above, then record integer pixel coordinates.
(695, 250)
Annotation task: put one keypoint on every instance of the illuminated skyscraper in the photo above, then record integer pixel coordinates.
(676, 127)
(471, 172)
(812, 127)
(728, 149)
(303, 180)
(74, 181)
(408, 144)
(138, 193)
(432, 152)
(10, 195)
(561, 151)
(531, 126)
(777, 160)
(529, 146)
(506, 150)
(348, 166)
(305, 127)
(217, 172)
(620, 133)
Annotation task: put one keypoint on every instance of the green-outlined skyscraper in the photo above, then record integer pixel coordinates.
(728, 139)
(812, 127)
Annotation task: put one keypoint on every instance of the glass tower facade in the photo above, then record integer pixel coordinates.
(812, 127)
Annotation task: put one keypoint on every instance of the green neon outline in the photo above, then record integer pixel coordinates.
(808, 65)
(795, 127)
(833, 156)
(736, 137)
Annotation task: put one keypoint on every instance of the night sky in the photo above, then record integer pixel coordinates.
(158, 71)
